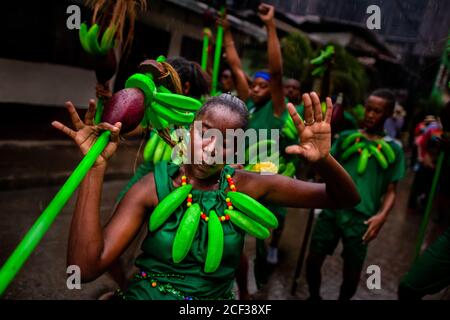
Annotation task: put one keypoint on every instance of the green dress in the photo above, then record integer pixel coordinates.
(162, 279)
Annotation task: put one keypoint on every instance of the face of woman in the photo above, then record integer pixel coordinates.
(206, 145)
(260, 91)
(226, 81)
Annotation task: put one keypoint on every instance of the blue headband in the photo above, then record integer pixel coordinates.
(262, 74)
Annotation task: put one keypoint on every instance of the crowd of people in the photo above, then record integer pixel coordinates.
(352, 175)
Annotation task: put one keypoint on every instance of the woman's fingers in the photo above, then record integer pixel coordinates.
(317, 107)
(115, 129)
(76, 121)
(309, 115)
(329, 112)
(294, 149)
(58, 125)
(90, 114)
(298, 122)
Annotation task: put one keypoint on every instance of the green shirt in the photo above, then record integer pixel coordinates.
(186, 279)
(373, 183)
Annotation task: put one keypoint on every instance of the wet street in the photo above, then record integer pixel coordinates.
(44, 277)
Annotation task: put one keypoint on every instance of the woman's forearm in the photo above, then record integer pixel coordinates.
(86, 234)
(339, 185)
(234, 62)
(275, 69)
(274, 51)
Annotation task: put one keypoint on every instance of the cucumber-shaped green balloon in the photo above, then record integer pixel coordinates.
(143, 82)
(379, 156)
(353, 149)
(167, 155)
(147, 86)
(288, 133)
(289, 171)
(171, 115)
(185, 233)
(215, 243)
(150, 147)
(159, 151)
(351, 138)
(93, 40)
(281, 168)
(107, 42)
(253, 209)
(363, 160)
(387, 150)
(178, 101)
(247, 224)
(167, 206)
(83, 34)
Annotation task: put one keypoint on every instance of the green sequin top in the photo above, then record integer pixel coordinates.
(160, 278)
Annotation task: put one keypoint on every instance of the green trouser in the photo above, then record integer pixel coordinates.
(334, 225)
(430, 273)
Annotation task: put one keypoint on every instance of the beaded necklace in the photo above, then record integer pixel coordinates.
(203, 216)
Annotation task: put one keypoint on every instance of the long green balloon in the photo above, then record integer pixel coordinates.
(217, 54)
(426, 216)
(205, 49)
(29, 242)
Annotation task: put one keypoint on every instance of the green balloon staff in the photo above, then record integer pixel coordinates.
(205, 51)
(217, 55)
(426, 216)
(29, 242)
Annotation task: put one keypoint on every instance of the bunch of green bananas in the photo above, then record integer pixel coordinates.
(319, 61)
(89, 39)
(258, 164)
(289, 129)
(157, 149)
(358, 143)
(253, 218)
(163, 108)
(286, 169)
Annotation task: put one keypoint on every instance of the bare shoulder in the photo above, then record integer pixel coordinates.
(144, 191)
(251, 183)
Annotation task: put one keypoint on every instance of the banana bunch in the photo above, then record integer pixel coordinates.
(163, 108)
(320, 61)
(253, 218)
(89, 39)
(357, 143)
(157, 149)
(257, 164)
(289, 129)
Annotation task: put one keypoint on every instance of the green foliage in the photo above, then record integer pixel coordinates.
(297, 52)
(349, 77)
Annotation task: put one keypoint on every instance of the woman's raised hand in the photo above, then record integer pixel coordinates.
(85, 133)
(314, 131)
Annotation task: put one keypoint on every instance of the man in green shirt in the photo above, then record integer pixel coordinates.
(359, 225)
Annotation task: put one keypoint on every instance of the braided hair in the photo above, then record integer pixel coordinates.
(229, 102)
(190, 71)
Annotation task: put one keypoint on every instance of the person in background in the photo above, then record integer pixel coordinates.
(394, 124)
(430, 273)
(359, 225)
(292, 91)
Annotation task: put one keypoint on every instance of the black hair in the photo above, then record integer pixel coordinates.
(190, 71)
(229, 102)
(387, 95)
